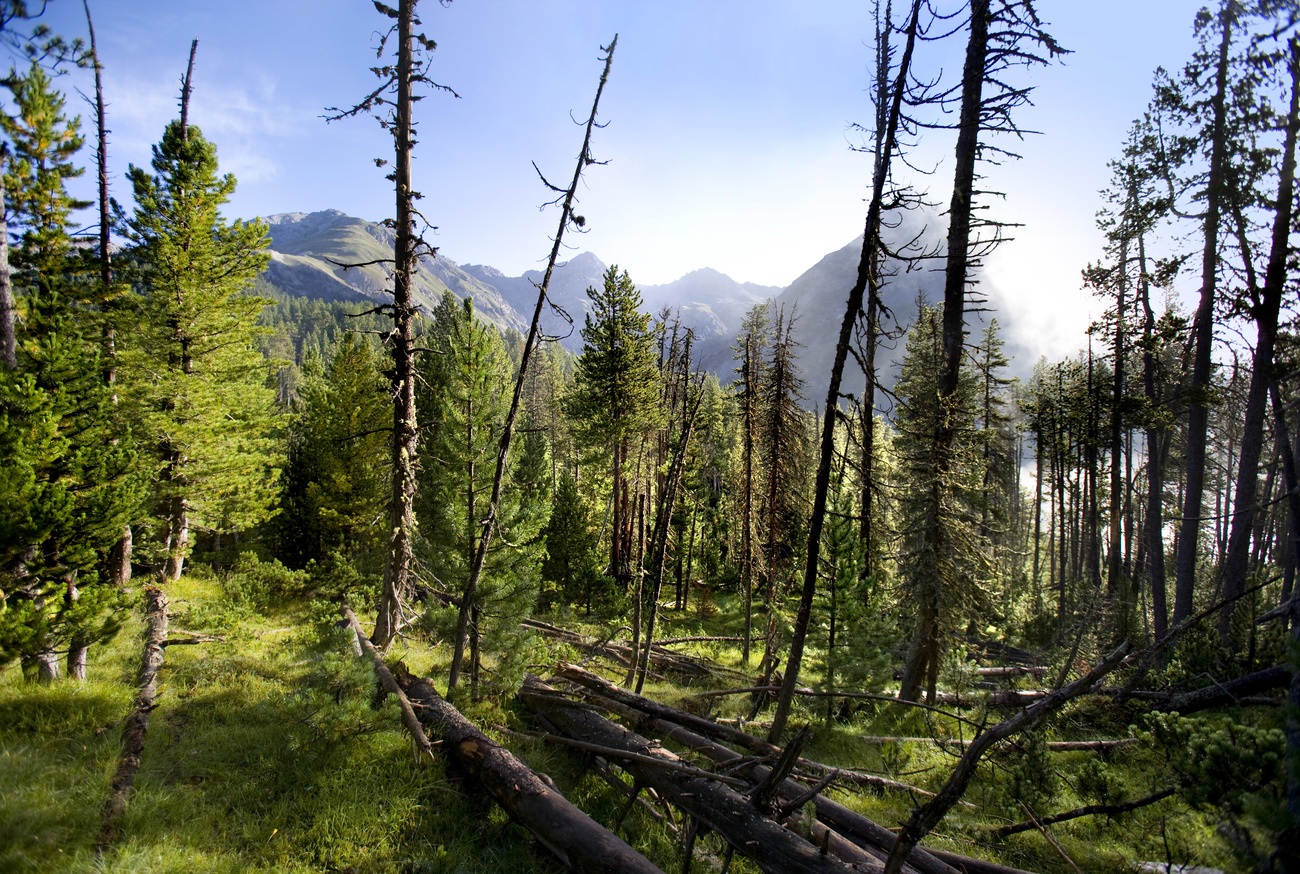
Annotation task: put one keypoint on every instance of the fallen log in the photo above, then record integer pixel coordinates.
(388, 682)
(846, 823)
(136, 725)
(866, 696)
(716, 730)
(575, 838)
(690, 667)
(1089, 810)
(1227, 693)
(698, 639)
(773, 848)
(1012, 671)
(1055, 745)
(926, 816)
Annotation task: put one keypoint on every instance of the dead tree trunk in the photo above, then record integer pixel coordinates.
(1266, 303)
(925, 817)
(137, 723)
(575, 838)
(728, 813)
(401, 508)
(668, 499)
(1198, 413)
(867, 272)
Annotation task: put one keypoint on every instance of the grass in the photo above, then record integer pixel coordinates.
(264, 754)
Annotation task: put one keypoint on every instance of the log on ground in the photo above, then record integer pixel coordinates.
(773, 848)
(575, 838)
(137, 722)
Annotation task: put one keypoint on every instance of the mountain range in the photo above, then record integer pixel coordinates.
(308, 251)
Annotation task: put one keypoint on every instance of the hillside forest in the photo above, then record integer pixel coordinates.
(935, 619)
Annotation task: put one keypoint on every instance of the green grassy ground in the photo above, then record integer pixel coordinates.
(264, 754)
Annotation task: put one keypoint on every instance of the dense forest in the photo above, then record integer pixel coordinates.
(1047, 623)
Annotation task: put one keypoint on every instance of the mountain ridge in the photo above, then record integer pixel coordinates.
(309, 249)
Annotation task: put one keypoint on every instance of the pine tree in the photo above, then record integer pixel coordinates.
(943, 576)
(782, 447)
(457, 482)
(67, 488)
(335, 485)
(570, 547)
(751, 343)
(616, 390)
(198, 380)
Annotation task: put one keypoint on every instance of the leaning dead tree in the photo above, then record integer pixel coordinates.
(567, 198)
(391, 103)
(867, 279)
(926, 816)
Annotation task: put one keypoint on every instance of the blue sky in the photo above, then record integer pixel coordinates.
(728, 137)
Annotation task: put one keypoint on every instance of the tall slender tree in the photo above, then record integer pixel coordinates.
(392, 102)
(198, 379)
(1003, 34)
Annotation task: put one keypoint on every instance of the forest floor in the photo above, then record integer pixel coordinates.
(265, 754)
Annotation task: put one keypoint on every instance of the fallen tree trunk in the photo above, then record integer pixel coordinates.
(136, 725)
(1230, 692)
(690, 667)
(575, 838)
(926, 816)
(732, 816)
(1055, 745)
(388, 682)
(1089, 810)
(849, 824)
(708, 727)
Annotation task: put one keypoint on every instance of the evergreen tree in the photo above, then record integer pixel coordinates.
(457, 483)
(616, 391)
(67, 490)
(44, 141)
(199, 382)
(782, 449)
(570, 547)
(751, 342)
(335, 485)
(943, 578)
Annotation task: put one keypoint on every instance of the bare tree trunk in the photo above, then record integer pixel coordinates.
(1198, 409)
(137, 722)
(659, 541)
(401, 508)
(117, 561)
(922, 663)
(1118, 589)
(8, 339)
(1266, 309)
(867, 263)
